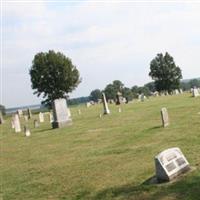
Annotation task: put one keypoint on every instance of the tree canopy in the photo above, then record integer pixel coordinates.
(165, 73)
(53, 75)
(95, 95)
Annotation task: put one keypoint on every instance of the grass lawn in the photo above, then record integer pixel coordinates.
(103, 158)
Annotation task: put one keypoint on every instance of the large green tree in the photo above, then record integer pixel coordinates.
(95, 95)
(165, 73)
(112, 89)
(53, 76)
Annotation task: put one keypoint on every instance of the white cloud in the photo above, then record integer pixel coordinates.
(106, 41)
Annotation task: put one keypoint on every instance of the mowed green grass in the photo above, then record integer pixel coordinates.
(103, 158)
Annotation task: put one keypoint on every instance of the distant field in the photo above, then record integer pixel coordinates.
(103, 159)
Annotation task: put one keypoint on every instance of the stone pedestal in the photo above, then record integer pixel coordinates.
(60, 114)
(16, 123)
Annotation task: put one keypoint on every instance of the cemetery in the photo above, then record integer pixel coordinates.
(100, 100)
(108, 157)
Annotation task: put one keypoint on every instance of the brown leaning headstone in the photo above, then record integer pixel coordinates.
(165, 117)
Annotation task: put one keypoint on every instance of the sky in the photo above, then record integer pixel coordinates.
(106, 40)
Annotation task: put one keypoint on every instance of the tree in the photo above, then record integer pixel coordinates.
(53, 75)
(95, 95)
(127, 93)
(112, 89)
(165, 73)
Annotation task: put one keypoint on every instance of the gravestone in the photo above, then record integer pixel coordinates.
(19, 112)
(176, 92)
(195, 92)
(36, 124)
(181, 91)
(88, 104)
(41, 117)
(12, 123)
(16, 123)
(26, 118)
(51, 117)
(27, 131)
(60, 114)
(29, 113)
(1, 118)
(120, 110)
(105, 105)
(169, 164)
(165, 117)
(119, 98)
(69, 112)
(79, 111)
(142, 97)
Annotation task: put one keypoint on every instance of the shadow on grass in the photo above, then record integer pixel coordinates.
(184, 189)
(155, 127)
(43, 130)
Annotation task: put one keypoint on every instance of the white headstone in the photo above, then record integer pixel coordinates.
(60, 113)
(36, 124)
(195, 92)
(69, 112)
(1, 118)
(105, 104)
(25, 117)
(50, 117)
(165, 117)
(79, 111)
(88, 104)
(120, 110)
(170, 163)
(41, 117)
(16, 123)
(12, 122)
(19, 112)
(176, 92)
(27, 131)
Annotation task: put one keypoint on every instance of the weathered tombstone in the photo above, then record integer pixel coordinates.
(105, 105)
(1, 118)
(36, 124)
(26, 118)
(69, 112)
(170, 163)
(29, 113)
(27, 131)
(60, 113)
(19, 112)
(181, 91)
(176, 92)
(142, 97)
(51, 117)
(79, 111)
(88, 104)
(16, 123)
(41, 117)
(120, 110)
(165, 117)
(12, 123)
(118, 98)
(195, 92)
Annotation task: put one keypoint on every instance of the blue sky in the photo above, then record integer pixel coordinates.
(105, 40)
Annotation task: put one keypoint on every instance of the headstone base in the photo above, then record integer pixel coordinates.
(61, 124)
